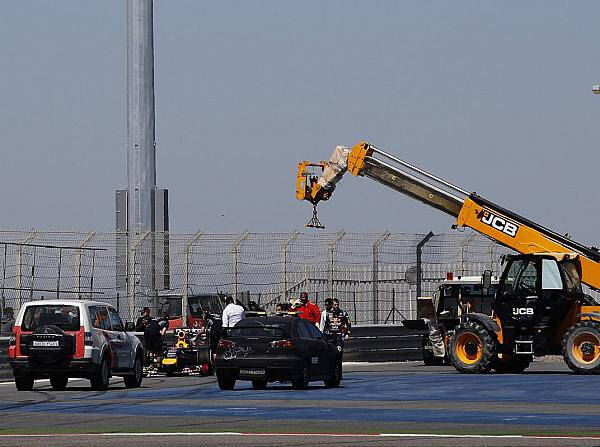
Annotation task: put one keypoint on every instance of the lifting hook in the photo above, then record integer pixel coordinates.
(314, 221)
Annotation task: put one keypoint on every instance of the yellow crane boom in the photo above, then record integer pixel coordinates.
(469, 209)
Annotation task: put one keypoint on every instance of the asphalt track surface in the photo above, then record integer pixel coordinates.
(378, 405)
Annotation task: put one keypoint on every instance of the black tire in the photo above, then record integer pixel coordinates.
(472, 349)
(336, 376)
(24, 383)
(100, 376)
(302, 379)
(135, 380)
(59, 382)
(513, 364)
(259, 384)
(225, 381)
(581, 347)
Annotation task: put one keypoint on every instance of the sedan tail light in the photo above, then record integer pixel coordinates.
(225, 343)
(281, 344)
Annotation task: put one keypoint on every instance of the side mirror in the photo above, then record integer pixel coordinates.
(486, 279)
(130, 326)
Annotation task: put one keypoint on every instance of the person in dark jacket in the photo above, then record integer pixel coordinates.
(143, 321)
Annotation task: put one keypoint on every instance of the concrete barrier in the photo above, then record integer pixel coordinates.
(5, 370)
(377, 343)
(383, 343)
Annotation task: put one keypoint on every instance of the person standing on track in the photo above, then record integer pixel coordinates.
(232, 313)
(144, 319)
(345, 318)
(308, 310)
(328, 307)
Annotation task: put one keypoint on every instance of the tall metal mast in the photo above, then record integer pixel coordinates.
(141, 160)
(142, 208)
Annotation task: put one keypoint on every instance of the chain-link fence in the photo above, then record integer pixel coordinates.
(376, 277)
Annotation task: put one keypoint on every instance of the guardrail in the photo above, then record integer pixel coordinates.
(5, 370)
(376, 343)
(383, 343)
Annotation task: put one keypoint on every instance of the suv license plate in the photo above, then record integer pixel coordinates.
(252, 372)
(45, 343)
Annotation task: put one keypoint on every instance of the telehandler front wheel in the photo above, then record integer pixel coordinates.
(472, 348)
(581, 347)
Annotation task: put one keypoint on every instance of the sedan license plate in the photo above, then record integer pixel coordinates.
(45, 343)
(252, 372)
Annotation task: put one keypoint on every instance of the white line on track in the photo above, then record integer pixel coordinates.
(72, 379)
(324, 435)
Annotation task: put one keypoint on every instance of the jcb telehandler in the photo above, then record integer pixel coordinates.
(540, 307)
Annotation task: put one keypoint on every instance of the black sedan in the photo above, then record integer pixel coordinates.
(274, 348)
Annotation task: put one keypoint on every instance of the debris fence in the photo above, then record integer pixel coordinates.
(376, 277)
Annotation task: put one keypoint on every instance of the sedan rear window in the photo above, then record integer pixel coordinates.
(65, 317)
(256, 331)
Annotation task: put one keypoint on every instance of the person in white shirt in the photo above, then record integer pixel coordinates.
(328, 307)
(232, 313)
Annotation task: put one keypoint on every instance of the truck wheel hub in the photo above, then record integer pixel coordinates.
(471, 348)
(587, 348)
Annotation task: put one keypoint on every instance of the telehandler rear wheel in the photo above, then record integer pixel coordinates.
(581, 347)
(472, 348)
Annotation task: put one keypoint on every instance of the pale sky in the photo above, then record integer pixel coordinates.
(493, 96)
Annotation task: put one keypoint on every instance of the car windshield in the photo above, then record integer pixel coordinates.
(65, 317)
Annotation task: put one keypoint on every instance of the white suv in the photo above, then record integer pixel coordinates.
(73, 338)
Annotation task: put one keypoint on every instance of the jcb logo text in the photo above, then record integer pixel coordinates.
(522, 311)
(498, 223)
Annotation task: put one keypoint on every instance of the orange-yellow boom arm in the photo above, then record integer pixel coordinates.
(469, 209)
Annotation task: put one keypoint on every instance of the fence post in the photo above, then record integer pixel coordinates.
(2, 300)
(92, 275)
(186, 276)
(32, 274)
(375, 272)
(284, 245)
(82, 244)
(19, 262)
(354, 301)
(419, 261)
(463, 244)
(234, 252)
(131, 274)
(338, 236)
(58, 275)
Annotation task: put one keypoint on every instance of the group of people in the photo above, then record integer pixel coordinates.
(332, 321)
